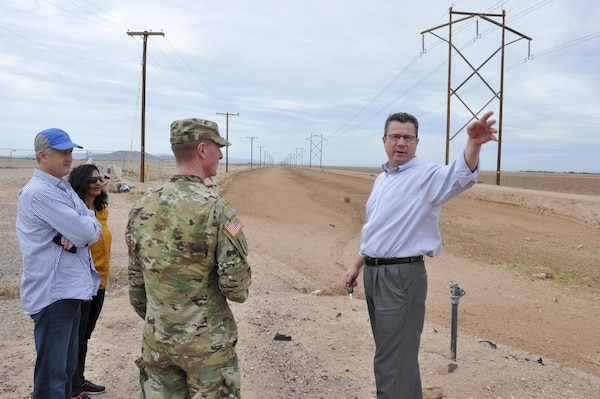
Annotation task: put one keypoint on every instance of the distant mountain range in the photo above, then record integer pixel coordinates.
(136, 156)
(122, 156)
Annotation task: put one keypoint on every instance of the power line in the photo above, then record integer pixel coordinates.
(194, 73)
(23, 37)
(172, 78)
(121, 25)
(74, 14)
(566, 45)
(412, 62)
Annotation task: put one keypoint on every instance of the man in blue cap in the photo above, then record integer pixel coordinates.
(55, 229)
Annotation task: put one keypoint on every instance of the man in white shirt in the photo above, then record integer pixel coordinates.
(401, 227)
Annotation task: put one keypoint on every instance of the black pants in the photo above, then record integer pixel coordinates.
(90, 311)
(396, 302)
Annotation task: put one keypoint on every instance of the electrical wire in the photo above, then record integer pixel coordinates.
(433, 70)
(195, 75)
(192, 80)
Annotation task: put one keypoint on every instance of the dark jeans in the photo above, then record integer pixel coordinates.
(56, 330)
(90, 312)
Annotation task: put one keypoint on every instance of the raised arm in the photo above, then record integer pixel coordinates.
(480, 132)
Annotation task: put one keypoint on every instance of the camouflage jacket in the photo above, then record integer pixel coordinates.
(187, 256)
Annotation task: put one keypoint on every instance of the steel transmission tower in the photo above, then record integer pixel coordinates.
(316, 149)
(299, 155)
(496, 93)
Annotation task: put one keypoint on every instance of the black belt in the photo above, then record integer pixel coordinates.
(391, 261)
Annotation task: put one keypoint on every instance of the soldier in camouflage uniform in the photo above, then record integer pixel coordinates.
(187, 257)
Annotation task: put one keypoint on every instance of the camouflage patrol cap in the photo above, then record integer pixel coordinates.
(194, 129)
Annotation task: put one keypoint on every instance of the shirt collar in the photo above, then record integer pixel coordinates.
(400, 168)
(47, 177)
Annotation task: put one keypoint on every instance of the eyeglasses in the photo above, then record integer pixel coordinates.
(396, 137)
(96, 179)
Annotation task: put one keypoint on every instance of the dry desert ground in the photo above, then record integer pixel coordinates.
(526, 252)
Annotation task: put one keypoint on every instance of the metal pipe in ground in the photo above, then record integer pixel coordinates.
(455, 293)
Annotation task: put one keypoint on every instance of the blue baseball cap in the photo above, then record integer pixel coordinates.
(54, 138)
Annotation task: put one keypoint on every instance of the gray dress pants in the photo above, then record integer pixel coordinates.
(396, 303)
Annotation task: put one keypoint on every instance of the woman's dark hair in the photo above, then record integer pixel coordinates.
(80, 181)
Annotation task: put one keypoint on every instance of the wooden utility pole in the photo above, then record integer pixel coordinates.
(227, 136)
(145, 35)
(251, 148)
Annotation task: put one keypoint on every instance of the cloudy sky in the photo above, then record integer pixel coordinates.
(309, 81)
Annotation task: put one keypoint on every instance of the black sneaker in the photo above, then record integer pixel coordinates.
(89, 387)
(82, 395)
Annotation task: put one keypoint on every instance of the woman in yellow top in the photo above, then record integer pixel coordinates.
(89, 186)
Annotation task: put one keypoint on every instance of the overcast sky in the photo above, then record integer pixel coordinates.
(312, 80)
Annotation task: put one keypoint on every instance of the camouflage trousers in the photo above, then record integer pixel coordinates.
(165, 375)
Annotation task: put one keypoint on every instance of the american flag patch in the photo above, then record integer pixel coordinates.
(234, 227)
